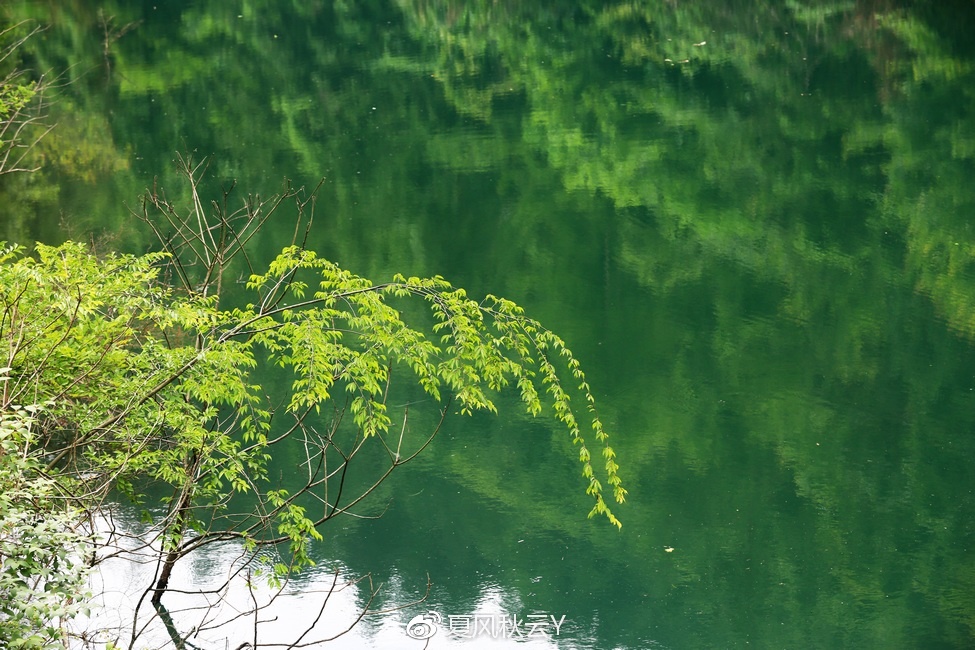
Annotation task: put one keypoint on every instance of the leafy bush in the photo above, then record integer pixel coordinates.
(42, 568)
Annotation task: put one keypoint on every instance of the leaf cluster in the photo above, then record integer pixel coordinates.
(153, 386)
(42, 550)
(350, 336)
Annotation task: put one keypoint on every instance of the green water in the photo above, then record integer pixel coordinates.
(753, 222)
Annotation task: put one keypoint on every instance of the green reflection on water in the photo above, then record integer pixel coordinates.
(752, 222)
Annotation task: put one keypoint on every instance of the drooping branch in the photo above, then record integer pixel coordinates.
(155, 376)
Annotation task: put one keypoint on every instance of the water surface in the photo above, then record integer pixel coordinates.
(752, 222)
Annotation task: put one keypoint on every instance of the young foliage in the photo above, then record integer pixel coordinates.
(349, 334)
(157, 386)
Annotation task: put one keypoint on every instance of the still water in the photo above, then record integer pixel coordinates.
(753, 222)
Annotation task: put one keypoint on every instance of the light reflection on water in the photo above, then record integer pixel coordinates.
(213, 599)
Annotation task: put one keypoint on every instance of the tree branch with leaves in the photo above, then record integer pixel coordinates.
(157, 379)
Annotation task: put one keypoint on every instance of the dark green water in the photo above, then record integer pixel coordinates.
(753, 222)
